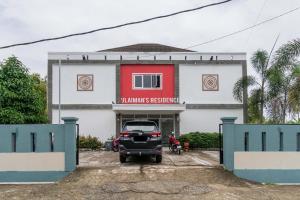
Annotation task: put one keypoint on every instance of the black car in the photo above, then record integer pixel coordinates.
(140, 138)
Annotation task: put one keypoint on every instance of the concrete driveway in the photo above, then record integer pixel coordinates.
(193, 175)
(192, 158)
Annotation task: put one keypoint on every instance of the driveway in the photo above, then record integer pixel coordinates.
(193, 175)
(192, 158)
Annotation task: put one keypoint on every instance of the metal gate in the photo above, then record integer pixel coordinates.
(220, 143)
(77, 144)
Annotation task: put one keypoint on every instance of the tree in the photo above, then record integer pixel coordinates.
(258, 93)
(22, 96)
(277, 90)
(40, 86)
(294, 103)
(284, 80)
(254, 107)
(294, 99)
(280, 83)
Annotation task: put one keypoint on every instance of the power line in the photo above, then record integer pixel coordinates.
(116, 26)
(245, 29)
(271, 52)
(256, 20)
(236, 32)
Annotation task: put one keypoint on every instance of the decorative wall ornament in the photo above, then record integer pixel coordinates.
(85, 82)
(210, 82)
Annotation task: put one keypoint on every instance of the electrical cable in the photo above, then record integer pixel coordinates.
(244, 29)
(116, 26)
(236, 32)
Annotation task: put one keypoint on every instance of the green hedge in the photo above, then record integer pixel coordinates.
(89, 142)
(201, 140)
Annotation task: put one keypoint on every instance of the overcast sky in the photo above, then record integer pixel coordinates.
(26, 20)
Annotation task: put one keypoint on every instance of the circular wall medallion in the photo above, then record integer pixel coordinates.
(210, 82)
(85, 82)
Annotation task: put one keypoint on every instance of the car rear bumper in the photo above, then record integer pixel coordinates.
(155, 151)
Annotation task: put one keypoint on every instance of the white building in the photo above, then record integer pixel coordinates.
(179, 89)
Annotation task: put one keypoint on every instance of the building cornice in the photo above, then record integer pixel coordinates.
(110, 106)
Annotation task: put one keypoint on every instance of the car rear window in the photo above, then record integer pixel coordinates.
(141, 126)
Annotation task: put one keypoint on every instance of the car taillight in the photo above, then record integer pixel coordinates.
(156, 134)
(124, 134)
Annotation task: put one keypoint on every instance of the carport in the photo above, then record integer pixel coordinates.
(165, 115)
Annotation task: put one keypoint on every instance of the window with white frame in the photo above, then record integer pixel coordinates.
(147, 81)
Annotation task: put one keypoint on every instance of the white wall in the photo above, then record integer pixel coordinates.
(190, 83)
(99, 123)
(104, 84)
(206, 120)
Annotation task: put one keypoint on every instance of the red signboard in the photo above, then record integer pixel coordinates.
(147, 84)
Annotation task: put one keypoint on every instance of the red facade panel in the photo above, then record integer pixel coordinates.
(136, 78)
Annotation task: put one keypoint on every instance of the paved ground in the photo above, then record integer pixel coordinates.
(195, 158)
(193, 175)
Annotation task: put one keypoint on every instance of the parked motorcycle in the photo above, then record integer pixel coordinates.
(115, 144)
(174, 144)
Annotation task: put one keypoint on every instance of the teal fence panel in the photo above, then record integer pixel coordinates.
(266, 146)
(39, 142)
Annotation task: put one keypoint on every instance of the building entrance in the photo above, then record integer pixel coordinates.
(165, 122)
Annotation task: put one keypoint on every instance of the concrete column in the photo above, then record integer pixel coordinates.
(228, 142)
(118, 118)
(70, 143)
(177, 127)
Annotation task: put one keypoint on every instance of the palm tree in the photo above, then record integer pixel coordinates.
(258, 94)
(287, 54)
(253, 107)
(284, 78)
(280, 83)
(294, 99)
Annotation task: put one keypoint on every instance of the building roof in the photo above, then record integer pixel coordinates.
(146, 47)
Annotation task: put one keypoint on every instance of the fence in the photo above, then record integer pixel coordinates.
(263, 153)
(38, 152)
